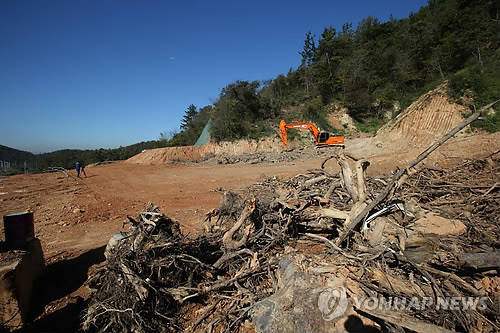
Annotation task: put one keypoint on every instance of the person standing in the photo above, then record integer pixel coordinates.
(82, 169)
(77, 167)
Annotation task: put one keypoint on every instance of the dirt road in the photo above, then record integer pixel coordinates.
(80, 214)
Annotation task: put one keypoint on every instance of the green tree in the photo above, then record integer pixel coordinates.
(240, 112)
(189, 116)
(308, 54)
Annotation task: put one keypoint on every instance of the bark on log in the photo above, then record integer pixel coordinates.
(400, 319)
(361, 166)
(334, 213)
(487, 260)
(227, 239)
(347, 177)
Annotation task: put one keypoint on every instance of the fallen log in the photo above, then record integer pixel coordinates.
(227, 239)
(400, 319)
(485, 260)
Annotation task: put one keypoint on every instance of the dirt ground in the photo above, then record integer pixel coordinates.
(80, 214)
(74, 218)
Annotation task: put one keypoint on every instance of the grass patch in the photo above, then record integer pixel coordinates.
(479, 85)
(368, 124)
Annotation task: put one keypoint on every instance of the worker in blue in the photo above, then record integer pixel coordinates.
(77, 167)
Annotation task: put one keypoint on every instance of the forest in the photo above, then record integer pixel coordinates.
(372, 69)
(376, 68)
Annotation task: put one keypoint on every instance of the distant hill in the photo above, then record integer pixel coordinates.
(66, 158)
(15, 156)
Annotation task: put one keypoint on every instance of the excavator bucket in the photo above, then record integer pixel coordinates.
(283, 132)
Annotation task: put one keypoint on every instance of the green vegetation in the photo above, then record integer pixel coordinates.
(371, 68)
(479, 85)
(241, 112)
(191, 127)
(13, 155)
(369, 125)
(315, 112)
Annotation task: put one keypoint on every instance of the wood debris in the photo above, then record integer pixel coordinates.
(157, 279)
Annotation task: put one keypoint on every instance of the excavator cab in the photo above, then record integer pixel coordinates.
(323, 137)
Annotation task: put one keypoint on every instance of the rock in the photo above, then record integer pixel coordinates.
(303, 303)
(434, 224)
(78, 210)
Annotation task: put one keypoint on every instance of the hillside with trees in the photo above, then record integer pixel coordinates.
(377, 68)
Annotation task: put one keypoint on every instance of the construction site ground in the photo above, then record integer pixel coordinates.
(74, 218)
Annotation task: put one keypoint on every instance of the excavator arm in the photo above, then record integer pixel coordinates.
(297, 125)
(321, 139)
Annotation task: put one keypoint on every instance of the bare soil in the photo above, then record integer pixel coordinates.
(74, 218)
(73, 214)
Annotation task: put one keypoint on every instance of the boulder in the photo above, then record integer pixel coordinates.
(434, 224)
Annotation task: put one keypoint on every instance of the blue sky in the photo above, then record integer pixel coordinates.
(103, 74)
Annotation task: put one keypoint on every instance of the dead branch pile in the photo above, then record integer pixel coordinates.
(153, 270)
(469, 192)
(155, 273)
(390, 242)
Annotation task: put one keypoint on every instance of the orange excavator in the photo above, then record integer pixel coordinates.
(321, 139)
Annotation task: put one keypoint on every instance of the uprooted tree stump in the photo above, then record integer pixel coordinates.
(354, 183)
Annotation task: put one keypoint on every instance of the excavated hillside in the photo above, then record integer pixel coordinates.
(423, 122)
(209, 150)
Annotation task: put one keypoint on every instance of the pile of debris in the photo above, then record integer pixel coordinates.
(416, 250)
(156, 277)
(272, 157)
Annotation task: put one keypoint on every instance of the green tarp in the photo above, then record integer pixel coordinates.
(205, 135)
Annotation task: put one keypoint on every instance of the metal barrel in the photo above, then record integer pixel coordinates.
(18, 228)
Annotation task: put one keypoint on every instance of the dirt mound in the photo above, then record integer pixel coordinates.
(191, 153)
(173, 154)
(421, 124)
(248, 146)
(424, 121)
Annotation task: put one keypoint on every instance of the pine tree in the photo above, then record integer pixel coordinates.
(187, 120)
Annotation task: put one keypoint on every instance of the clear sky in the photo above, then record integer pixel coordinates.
(108, 73)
